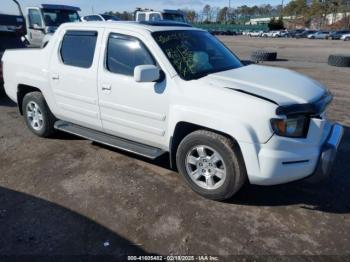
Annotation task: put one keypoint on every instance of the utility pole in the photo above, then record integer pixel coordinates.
(229, 8)
(281, 14)
(92, 7)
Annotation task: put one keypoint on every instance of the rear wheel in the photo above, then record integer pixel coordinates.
(37, 115)
(211, 164)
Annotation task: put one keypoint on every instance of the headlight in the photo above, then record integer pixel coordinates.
(292, 127)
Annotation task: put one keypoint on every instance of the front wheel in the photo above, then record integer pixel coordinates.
(211, 164)
(37, 115)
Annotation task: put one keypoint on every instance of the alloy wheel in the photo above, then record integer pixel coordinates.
(35, 116)
(206, 167)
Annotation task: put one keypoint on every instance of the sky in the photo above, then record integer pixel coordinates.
(100, 6)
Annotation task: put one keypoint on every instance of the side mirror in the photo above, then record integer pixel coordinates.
(37, 27)
(147, 74)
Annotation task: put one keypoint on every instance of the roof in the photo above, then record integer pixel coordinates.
(62, 7)
(165, 23)
(135, 26)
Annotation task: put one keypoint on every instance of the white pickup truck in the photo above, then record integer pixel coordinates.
(160, 87)
(152, 15)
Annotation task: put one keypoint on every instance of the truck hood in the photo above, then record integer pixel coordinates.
(281, 86)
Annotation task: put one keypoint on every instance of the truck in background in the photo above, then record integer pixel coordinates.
(12, 28)
(44, 20)
(13, 23)
(99, 17)
(152, 15)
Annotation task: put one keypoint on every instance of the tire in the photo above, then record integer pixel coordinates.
(339, 60)
(37, 115)
(230, 164)
(347, 39)
(262, 55)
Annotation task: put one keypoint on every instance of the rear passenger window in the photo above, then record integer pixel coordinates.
(78, 48)
(124, 53)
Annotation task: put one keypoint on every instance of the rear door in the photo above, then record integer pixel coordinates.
(73, 73)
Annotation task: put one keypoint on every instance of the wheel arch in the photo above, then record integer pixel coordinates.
(22, 90)
(182, 129)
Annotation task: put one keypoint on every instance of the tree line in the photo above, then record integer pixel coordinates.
(212, 14)
(302, 11)
(317, 12)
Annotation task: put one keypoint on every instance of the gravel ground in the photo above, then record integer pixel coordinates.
(68, 196)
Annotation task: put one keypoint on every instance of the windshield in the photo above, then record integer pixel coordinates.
(195, 54)
(174, 17)
(56, 17)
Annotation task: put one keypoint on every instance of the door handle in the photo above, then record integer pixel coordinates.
(55, 77)
(106, 87)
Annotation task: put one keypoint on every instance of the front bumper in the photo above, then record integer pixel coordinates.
(328, 154)
(283, 160)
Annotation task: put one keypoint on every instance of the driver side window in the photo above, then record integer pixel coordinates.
(34, 17)
(124, 53)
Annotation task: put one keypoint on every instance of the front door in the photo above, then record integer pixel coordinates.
(129, 109)
(73, 73)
